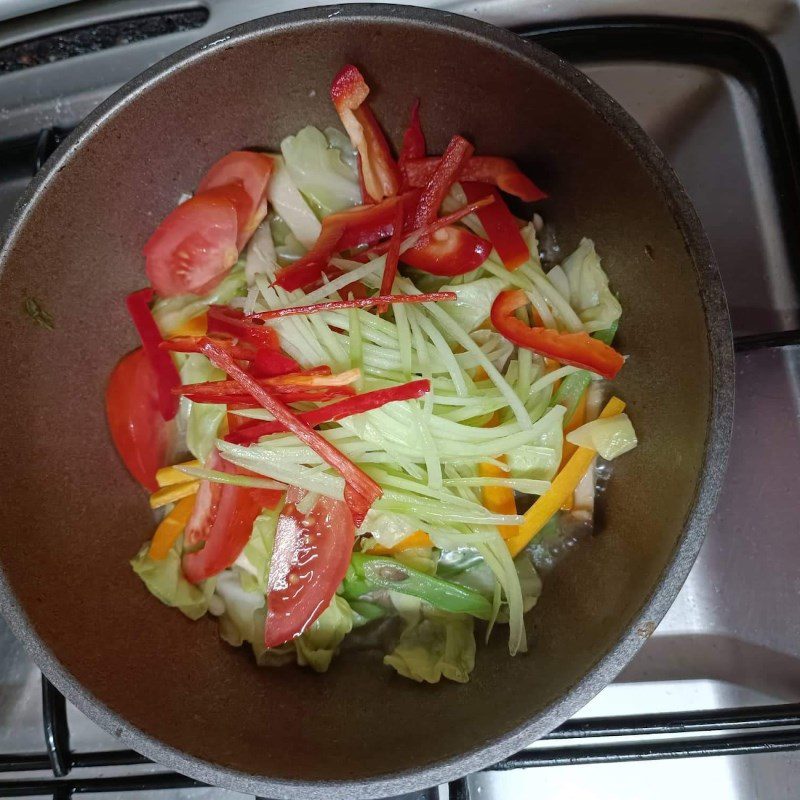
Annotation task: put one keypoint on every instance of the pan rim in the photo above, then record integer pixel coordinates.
(709, 482)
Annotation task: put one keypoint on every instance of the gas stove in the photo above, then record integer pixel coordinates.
(715, 83)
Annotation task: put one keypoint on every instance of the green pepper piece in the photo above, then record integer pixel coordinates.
(370, 573)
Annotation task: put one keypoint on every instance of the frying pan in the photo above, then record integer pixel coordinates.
(73, 517)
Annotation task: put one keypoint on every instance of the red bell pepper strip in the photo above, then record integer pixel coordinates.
(500, 225)
(287, 394)
(360, 490)
(381, 177)
(222, 319)
(362, 187)
(450, 251)
(264, 362)
(576, 349)
(241, 351)
(441, 179)
(167, 377)
(392, 258)
(501, 172)
(442, 222)
(371, 228)
(314, 384)
(366, 302)
(335, 411)
(413, 139)
(355, 227)
(269, 363)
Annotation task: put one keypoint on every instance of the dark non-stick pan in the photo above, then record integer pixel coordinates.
(72, 517)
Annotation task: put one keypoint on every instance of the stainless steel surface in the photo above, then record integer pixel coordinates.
(733, 635)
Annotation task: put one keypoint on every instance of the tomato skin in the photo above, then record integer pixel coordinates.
(194, 247)
(138, 430)
(222, 520)
(309, 561)
(250, 171)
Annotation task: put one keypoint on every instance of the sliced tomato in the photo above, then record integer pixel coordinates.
(139, 432)
(252, 172)
(194, 247)
(309, 561)
(221, 523)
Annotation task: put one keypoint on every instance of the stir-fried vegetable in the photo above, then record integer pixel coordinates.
(371, 370)
(365, 302)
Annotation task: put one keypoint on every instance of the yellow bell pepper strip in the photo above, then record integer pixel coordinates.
(169, 494)
(498, 499)
(196, 326)
(168, 476)
(170, 528)
(562, 487)
(416, 539)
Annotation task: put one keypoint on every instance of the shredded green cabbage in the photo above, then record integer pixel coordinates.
(202, 420)
(610, 436)
(435, 646)
(165, 580)
(589, 292)
(318, 645)
(319, 171)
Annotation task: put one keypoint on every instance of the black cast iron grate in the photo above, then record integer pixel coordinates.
(733, 49)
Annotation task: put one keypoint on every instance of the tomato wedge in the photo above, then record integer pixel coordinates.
(309, 561)
(194, 247)
(139, 432)
(221, 523)
(250, 171)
